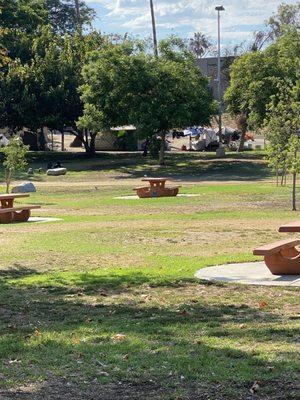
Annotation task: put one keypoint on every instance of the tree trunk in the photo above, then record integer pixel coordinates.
(62, 140)
(88, 140)
(283, 176)
(242, 126)
(93, 143)
(162, 150)
(77, 142)
(294, 192)
(8, 176)
(242, 142)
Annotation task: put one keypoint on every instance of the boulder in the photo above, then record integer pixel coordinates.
(25, 187)
(220, 152)
(57, 171)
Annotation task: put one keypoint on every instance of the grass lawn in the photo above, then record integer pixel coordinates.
(103, 304)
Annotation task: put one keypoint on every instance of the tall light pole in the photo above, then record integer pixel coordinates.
(219, 9)
(153, 28)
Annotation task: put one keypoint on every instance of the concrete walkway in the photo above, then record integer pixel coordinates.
(255, 273)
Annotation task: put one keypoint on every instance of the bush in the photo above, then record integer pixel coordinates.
(126, 141)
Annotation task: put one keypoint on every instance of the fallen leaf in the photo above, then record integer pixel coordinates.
(119, 337)
(262, 305)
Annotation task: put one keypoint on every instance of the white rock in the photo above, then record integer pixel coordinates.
(25, 187)
(57, 171)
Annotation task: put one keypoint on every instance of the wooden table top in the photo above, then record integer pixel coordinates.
(154, 179)
(290, 227)
(10, 196)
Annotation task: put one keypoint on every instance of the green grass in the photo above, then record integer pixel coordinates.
(104, 302)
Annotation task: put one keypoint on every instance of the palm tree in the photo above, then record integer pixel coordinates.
(199, 45)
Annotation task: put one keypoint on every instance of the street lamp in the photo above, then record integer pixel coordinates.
(219, 9)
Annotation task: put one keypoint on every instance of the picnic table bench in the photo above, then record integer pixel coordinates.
(282, 257)
(157, 188)
(11, 213)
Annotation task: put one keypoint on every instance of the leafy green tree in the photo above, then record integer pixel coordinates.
(255, 77)
(287, 18)
(67, 16)
(21, 21)
(125, 85)
(44, 92)
(283, 122)
(14, 159)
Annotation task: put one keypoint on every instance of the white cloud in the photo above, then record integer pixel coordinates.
(239, 19)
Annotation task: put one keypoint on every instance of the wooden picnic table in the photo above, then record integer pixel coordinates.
(10, 213)
(157, 188)
(7, 200)
(290, 227)
(282, 257)
(156, 182)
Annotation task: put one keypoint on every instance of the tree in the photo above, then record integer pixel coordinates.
(14, 159)
(199, 45)
(286, 18)
(69, 16)
(125, 85)
(44, 91)
(255, 77)
(283, 122)
(21, 21)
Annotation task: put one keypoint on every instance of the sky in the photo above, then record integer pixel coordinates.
(184, 17)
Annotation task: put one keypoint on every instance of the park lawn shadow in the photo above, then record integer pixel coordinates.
(109, 339)
(188, 166)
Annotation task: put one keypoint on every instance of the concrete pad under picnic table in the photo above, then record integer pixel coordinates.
(133, 197)
(43, 219)
(252, 273)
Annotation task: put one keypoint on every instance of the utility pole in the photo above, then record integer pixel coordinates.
(153, 29)
(77, 10)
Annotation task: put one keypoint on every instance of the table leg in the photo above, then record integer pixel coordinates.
(7, 203)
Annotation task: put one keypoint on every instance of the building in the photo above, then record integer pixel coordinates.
(209, 68)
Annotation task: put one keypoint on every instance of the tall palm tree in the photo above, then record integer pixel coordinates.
(199, 44)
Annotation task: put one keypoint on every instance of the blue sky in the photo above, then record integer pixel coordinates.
(183, 17)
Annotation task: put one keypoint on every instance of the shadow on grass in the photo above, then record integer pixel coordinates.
(69, 341)
(17, 271)
(202, 166)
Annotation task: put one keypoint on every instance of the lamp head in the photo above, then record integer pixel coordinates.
(219, 8)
